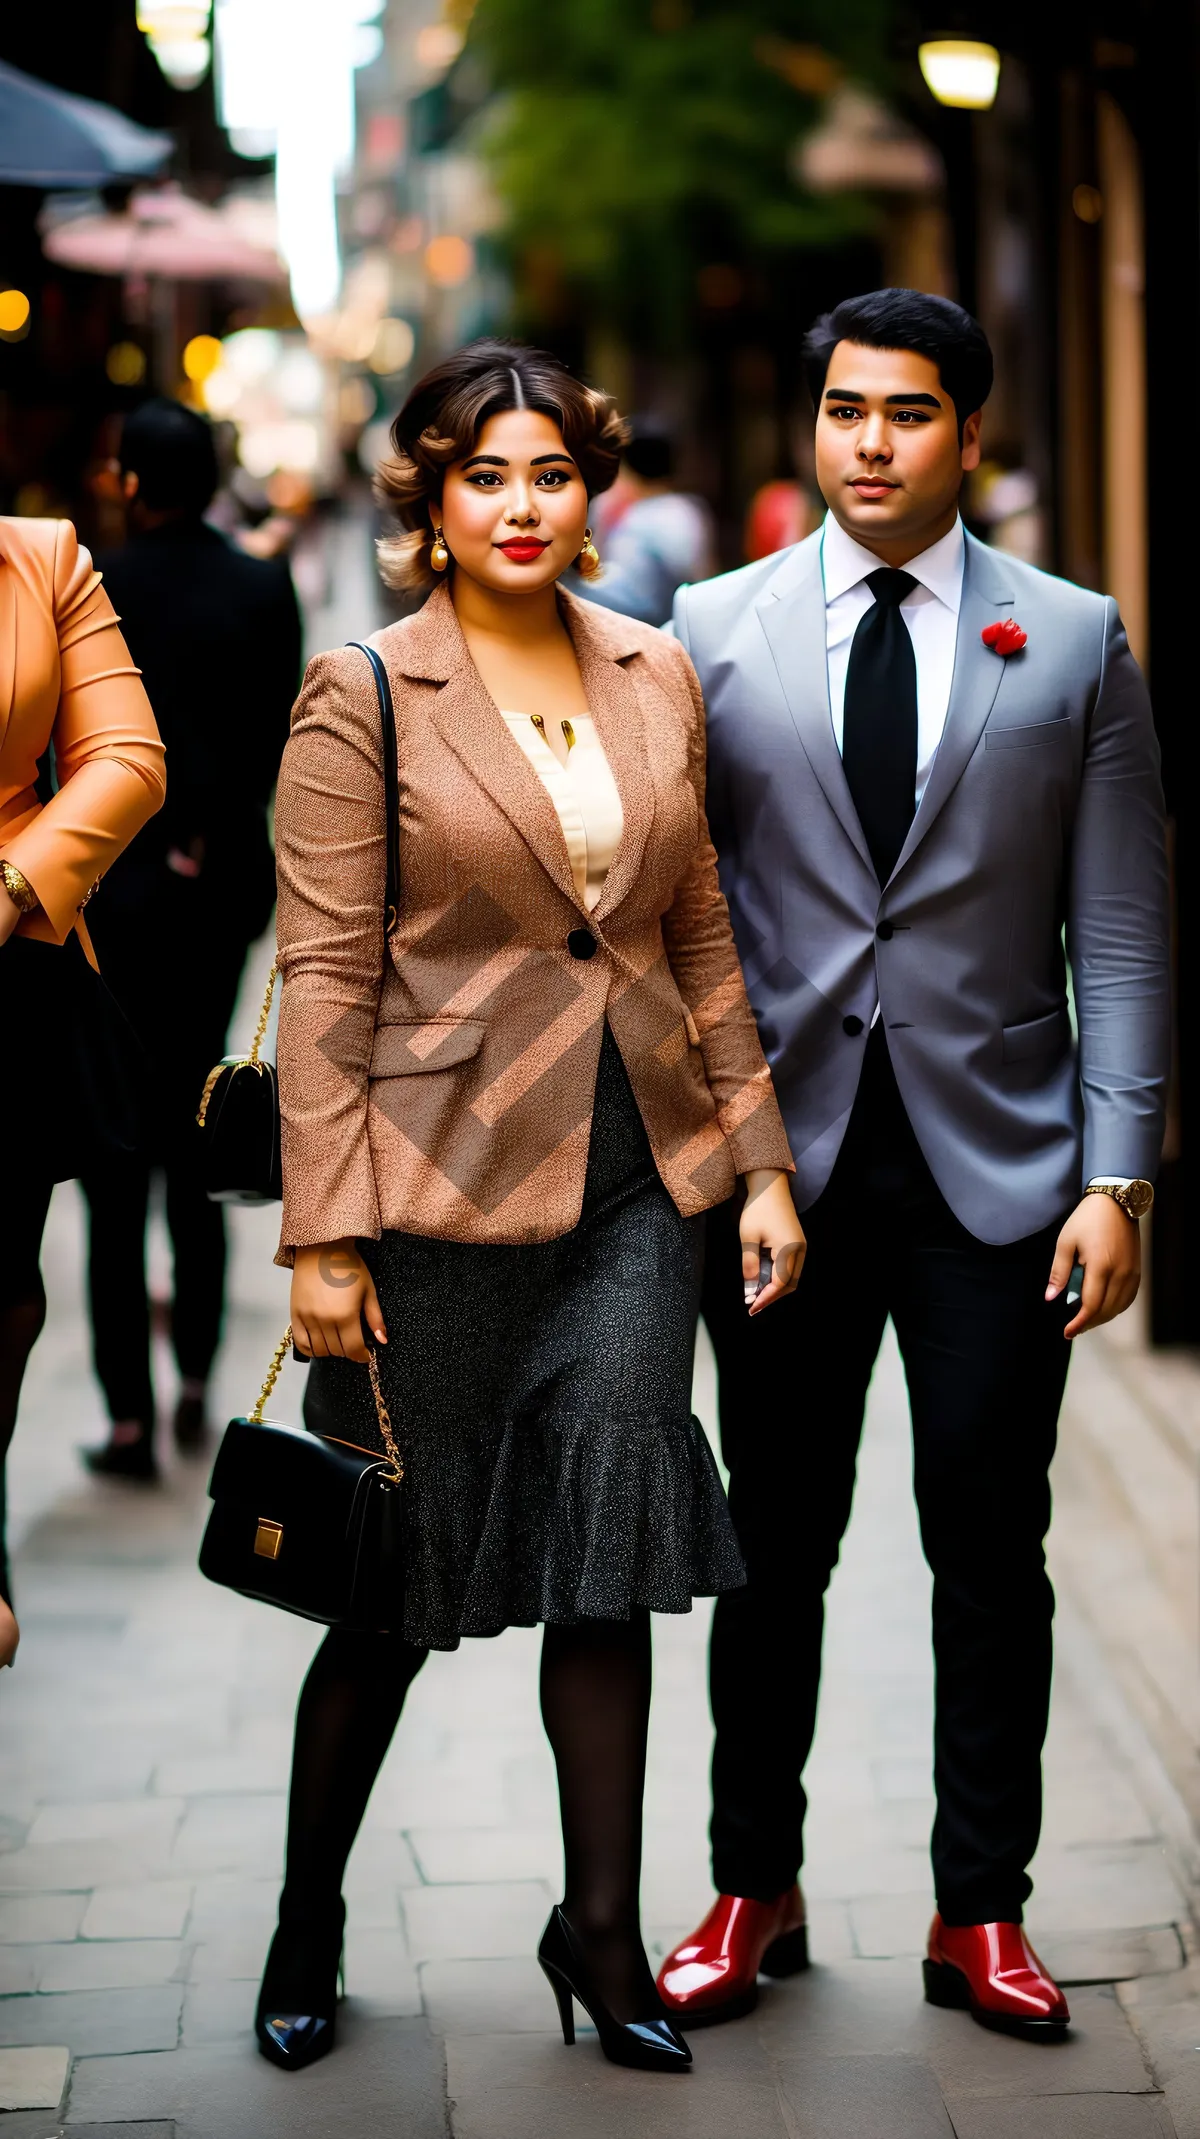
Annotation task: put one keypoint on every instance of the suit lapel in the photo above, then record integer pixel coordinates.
(792, 614)
(978, 675)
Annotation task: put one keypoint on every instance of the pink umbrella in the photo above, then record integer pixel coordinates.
(164, 232)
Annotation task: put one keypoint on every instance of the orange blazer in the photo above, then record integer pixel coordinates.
(444, 1085)
(66, 675)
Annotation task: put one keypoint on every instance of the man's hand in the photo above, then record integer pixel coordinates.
(1109, 1245)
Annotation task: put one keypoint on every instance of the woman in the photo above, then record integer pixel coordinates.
(500, 1130)
(65, 678)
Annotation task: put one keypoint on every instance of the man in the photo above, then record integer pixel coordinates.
(652, 537)
(217, 637)
(925, 759)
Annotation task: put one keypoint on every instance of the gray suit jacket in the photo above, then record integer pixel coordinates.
(1043, 812)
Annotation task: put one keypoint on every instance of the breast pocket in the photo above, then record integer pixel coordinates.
(1036, 736)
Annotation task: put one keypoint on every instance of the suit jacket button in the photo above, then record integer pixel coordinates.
(885, 932)
(581, 943)
(852, 1026)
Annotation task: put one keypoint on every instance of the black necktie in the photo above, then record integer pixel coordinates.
(879, 725)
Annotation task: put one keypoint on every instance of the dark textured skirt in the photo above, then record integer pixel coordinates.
(541, 1398)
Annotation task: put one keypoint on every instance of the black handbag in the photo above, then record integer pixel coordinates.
(239, 1106)
(239, 1113)
(86, 1106)
(308, 1522)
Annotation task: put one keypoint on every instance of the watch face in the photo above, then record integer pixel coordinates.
(1137, 1198)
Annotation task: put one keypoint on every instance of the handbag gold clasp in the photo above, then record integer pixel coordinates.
(268, 1541)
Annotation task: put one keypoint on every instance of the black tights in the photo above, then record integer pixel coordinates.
(596, 1705)
(22, 1314)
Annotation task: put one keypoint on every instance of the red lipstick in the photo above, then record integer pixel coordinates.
(523, 549)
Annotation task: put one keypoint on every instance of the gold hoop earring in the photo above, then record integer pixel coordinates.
(439, 555)
(587, 564)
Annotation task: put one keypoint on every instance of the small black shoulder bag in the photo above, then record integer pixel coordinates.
(239, 1106)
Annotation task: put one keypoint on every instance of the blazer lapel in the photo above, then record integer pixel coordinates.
(978, 675)
(603, 643)
(8, 641)
(792, 614)
(462, 710)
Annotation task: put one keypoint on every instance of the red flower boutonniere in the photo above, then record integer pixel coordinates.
(1005, 637)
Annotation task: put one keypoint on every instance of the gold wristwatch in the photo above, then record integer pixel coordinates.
(1134, 1197)
(18, 887)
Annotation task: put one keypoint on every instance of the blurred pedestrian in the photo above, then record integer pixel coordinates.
(217, 635)
(780, 513)
(656, 538)
(66, 682)
(501, 1122)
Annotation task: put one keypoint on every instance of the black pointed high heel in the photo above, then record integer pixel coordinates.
(296, 2020)
(651, 2045)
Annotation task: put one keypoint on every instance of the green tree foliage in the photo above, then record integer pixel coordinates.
(639, 145)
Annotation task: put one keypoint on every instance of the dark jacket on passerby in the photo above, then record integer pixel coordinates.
(217, 637)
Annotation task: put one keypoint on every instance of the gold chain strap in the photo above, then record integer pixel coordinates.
(263, 1015)
(249, 1061)
(273, 1372)
(385, 1424)
(381, 1410)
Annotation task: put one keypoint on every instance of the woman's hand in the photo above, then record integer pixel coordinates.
(332, 1292)
(10, 914)
(10, 1634)
(769, 1225)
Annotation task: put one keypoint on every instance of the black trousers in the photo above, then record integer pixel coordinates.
(986, 1364)
(177, 984)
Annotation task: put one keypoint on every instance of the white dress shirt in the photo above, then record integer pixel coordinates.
(930, 612)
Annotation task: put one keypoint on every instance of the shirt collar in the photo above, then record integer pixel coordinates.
(845, 564)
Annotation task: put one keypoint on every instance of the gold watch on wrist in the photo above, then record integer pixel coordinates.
(1134, 1197)
(18, 887)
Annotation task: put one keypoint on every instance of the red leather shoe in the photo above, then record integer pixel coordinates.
(714, 1974)
(992, 1972)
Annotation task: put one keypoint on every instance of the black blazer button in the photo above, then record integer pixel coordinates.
(852, 1026)
(885, 932)
(581, 943)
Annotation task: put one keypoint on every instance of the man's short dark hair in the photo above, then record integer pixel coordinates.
(907, 319)
(651, 449)
(172, 452)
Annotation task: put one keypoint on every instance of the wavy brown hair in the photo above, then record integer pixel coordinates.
(441, 421)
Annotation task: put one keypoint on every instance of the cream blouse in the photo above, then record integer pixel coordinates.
(584, 795)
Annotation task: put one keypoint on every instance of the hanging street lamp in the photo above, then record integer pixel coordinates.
(961, 72)
(177, 34)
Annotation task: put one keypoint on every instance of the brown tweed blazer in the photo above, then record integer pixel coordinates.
(443, 1084)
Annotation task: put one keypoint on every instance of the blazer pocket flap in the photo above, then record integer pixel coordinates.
(425, 1044)
(1025, 738)
(1039, 1036)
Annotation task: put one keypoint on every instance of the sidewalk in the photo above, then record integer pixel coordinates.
(144, 1741)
